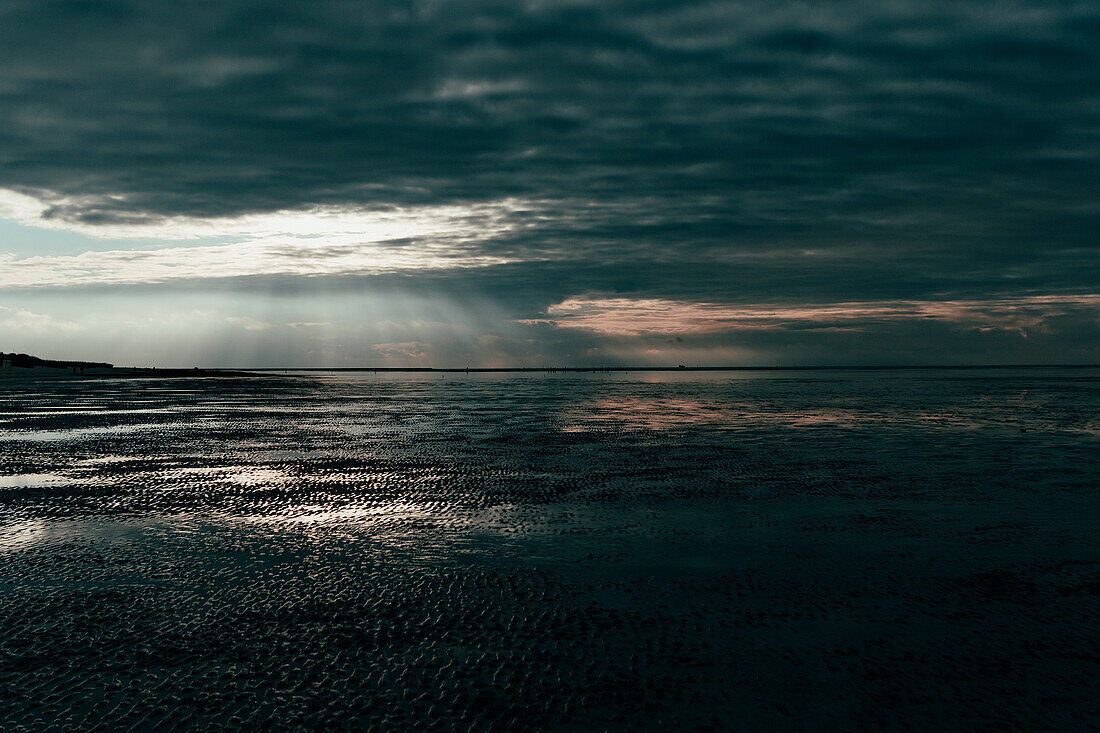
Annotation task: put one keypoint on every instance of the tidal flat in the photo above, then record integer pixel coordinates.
(752, 551)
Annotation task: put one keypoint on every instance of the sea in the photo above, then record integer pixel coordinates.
(777, 550)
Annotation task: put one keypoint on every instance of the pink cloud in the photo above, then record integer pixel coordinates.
(654, 316)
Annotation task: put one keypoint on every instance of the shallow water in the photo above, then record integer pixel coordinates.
(879, 550)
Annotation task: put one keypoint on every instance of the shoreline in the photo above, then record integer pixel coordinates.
(19, 373)
(552, 370)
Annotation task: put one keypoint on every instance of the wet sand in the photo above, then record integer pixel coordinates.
(843, 551)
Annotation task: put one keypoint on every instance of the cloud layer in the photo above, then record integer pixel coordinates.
(628, 317)
(540, 153)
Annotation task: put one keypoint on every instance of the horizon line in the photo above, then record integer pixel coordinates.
(728, 368)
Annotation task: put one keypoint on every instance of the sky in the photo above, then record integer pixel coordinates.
(545, 183)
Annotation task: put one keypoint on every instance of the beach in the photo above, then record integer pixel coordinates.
(835, 550)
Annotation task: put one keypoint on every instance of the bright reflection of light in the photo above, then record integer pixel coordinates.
(673, 413)
(256, 476)
(31, 480)
(25, 534)
(81, 433)
(319, 514)
(22, 535)
(630, 413)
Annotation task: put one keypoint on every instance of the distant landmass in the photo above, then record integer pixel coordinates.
(26, 361)
(28, 366)
(13, 365)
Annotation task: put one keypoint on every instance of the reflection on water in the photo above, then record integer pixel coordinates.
(361, 515)
(256, 476)
(30, 480)
(22, 535)
(51, 535)
(640, 413)
(550, 552)
(70, 434)
(672, 413)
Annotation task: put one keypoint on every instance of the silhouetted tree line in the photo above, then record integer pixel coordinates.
(27, 361)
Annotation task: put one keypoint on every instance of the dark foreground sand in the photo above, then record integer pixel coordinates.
(856, 552)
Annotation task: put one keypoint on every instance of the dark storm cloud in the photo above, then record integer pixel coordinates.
(720, 152)
(761, 112)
